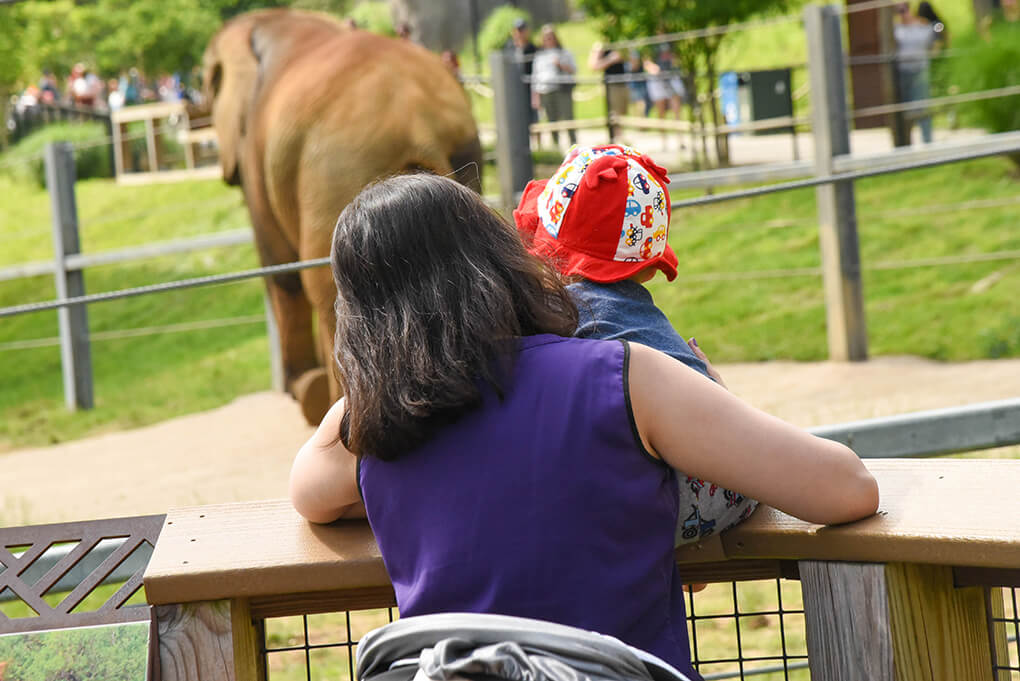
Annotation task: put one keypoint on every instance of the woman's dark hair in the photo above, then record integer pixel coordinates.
(926, 11)
(433, 288)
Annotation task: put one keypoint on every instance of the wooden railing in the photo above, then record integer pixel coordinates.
(908, 593)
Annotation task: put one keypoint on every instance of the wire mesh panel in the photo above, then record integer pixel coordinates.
(748, 629)
(1005, 633)
(323, 646)
(737, 630)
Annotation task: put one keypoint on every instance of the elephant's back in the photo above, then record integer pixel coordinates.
(386, 91)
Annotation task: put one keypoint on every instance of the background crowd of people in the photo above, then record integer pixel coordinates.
(635, 82)
(84, 88)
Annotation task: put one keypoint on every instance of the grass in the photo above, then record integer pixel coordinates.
(950, 312)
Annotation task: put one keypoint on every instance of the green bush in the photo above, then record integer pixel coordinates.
(496, 29)
(984, 63)
(24, 161)
(374, 17)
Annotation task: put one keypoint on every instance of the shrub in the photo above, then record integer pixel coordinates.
(986, 62)
(374, 17)
(24, 161)
(496, 29)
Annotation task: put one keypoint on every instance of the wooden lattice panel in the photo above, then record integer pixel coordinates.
(55, 569)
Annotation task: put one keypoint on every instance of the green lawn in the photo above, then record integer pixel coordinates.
(949, 312)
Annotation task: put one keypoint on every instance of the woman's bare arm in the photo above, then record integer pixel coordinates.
(698, 427)
(323, 478)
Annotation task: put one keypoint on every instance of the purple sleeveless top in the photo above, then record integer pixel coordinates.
(543, 505)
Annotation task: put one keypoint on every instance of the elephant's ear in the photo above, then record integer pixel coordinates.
(230, 73)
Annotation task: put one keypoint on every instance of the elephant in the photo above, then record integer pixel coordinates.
(308, 111)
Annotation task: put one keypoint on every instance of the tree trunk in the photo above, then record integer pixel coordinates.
(5, 102)
(722, 140)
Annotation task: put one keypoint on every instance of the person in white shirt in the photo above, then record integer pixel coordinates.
(552, 81)
(915, 37)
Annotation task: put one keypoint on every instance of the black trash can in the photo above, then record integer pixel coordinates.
(765, 94)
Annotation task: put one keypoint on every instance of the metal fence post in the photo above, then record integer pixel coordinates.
(512, 112)
(837, 214)
(75, 355)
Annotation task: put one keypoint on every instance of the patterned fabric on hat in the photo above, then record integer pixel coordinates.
(643, 217)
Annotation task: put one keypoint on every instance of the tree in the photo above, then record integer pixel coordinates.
(625, 19)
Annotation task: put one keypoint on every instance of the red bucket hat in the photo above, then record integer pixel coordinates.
(604, 215)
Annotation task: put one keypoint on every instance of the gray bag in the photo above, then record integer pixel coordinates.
(478, 646)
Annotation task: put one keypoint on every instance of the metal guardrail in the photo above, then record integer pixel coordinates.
(935, 432)
(898, 158)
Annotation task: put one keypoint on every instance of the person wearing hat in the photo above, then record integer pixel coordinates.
(602, 221)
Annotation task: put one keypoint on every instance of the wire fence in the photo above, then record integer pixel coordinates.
(737, 630)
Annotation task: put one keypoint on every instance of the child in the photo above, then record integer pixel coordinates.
(602, 220)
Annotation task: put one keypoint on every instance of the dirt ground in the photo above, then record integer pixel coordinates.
(242, 451)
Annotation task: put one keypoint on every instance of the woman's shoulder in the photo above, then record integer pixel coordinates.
(557, 354)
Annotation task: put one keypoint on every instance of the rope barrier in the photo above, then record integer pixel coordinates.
(935, 102)
(140, 331)
(888, 265)
(865, 6)
(704, 32)
(162, 210)
(836, 177)
(214, 279)
(919, 211)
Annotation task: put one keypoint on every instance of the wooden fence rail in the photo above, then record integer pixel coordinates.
(880, 595)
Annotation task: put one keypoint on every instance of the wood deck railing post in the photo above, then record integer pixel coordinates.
(208, 641)
(895, 622)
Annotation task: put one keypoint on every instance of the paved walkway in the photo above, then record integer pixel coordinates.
(243, 451)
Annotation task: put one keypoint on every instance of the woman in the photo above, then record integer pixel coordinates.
(552, 81)
(916, 37)
(507, 468)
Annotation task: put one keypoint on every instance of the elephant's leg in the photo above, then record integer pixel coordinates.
(304, 377)
(302, 370)
(321, 291)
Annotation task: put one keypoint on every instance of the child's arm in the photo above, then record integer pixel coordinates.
(323, 478)
(723, 439)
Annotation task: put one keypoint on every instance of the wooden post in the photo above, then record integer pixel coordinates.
(894, 622)
(75, 355)
(189, 151)
(208, 641)
(513, 145)
(150, 145)
(837, 214)
(890, 80)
